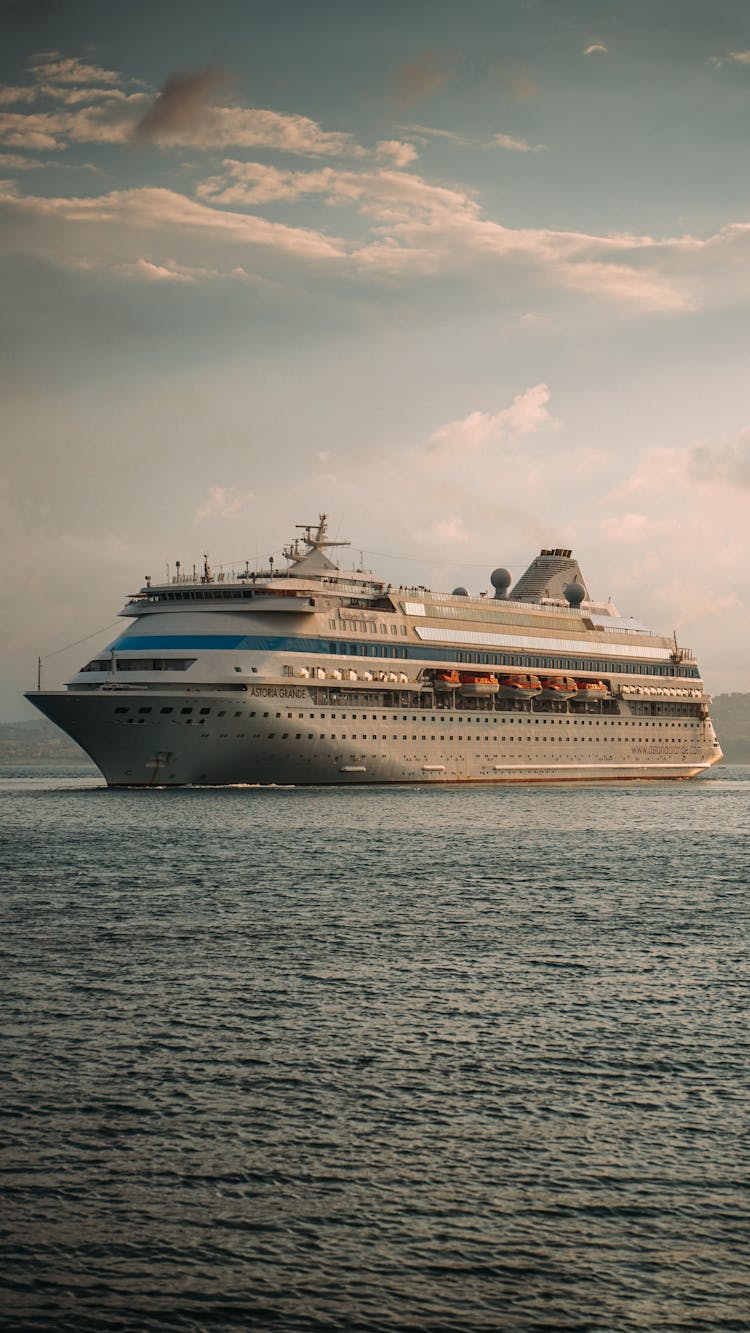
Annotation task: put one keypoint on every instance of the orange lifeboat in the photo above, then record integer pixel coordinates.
(592, 689)
(521, 687)
(474, 686)
(446, 680)
(558, 687)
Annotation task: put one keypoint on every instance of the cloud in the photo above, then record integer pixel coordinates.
(401, 226)
(537, 319)
(117, 122)
(423, 75)
(9, 96)
(732, 58)
(426, 132)
(52, 67)
(638, 287)
(727, 461)
(223, 502)
(596, 48)
(167, 272)
(450, 530)
(401, 154)
(15, 162)
(516, 145)
(55, 130)
(79, 96)
(90, 108)
(183, 115)
(523, 86)
(472, 434)
(630, 527)
(100, 231)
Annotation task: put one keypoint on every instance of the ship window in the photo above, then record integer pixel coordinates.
(204, 710)
(169, 709)
(240, 715)
(189, 710)
(144, 710)
(123, 710)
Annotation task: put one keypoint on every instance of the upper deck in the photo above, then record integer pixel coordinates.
(549, 604)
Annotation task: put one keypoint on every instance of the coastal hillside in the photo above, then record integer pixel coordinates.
(39, 741)
(731, 717)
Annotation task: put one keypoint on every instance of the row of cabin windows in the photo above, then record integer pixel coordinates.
(366, 649)
(574, 664)
(364, 626)
(531, 663)
(374, 717)
(139, 664)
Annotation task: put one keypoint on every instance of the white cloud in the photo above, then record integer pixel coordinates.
(10, 96)
(181, 116)
(410, 228)
(732, 57)
(111, 123)
(630, 527)
(99, 230)
(472, 434)
(644, 288)
(450, 530)
(516, 145)
(16, 162)
(223, 502)
(242, 127)
(52, 67)
(401, 154)
(537, 319)
(727, 461)
(427, 132)
(168, 272)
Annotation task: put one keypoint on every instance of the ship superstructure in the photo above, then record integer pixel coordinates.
(313, 674)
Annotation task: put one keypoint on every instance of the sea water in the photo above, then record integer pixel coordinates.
(400, 1058)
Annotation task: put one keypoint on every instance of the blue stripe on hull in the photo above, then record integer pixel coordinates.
(375, 652)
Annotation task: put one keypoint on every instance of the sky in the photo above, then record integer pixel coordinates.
(472, 279)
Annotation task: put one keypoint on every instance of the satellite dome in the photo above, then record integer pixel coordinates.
(575, 593)
(501, 581)
(459, 592)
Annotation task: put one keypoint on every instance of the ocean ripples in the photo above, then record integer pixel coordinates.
(392, 1059)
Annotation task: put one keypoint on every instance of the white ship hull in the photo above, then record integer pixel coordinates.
(299, 743)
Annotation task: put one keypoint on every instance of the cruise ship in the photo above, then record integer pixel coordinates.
(317, 674)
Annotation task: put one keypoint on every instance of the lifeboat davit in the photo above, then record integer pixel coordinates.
(558, 687)
(446, 680)
(521, 687)
(474, 686)
(592, 689)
